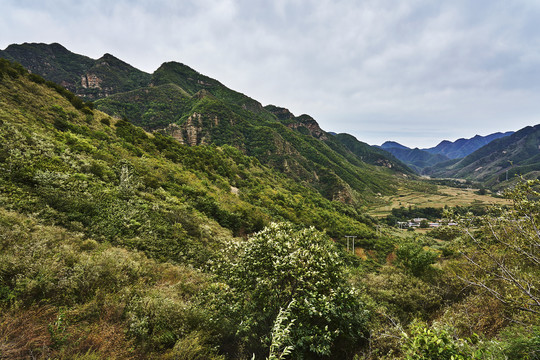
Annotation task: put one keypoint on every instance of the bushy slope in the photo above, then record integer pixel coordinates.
(196, 109)
(116, 181)
(120, 244)
(103, 226)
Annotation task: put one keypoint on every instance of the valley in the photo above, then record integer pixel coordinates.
(166, 216)
(444, 196)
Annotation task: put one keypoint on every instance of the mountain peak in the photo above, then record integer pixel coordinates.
(393, 144)
(280, 112)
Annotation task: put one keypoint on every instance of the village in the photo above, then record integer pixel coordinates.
(424, 223)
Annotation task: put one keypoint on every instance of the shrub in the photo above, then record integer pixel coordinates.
(436, 344)
(414, 258)
(285, 266)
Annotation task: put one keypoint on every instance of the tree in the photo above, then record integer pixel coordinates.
(301, 270)
(503, 250)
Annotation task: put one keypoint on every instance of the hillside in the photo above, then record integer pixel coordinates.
(371, 154)
(517, 154)
(51, 150)
(117, 243)
(197, 110)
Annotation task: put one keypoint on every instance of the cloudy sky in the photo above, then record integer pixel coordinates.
(413, 71)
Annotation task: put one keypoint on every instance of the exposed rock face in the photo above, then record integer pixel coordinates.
(343, 195)
(174, 131)
(384, 162)
(311, 125)
(91, 81)
(193, 127)
(191, 132)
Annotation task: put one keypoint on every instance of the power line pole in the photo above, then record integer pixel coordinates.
(348, 237)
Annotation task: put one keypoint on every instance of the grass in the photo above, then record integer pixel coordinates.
(444, 196)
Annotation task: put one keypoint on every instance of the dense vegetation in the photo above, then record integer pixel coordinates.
(197, 110)
(118, 243)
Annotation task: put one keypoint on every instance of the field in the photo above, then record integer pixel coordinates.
(444, 196)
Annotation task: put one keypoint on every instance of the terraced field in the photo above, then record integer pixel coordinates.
(444, 196)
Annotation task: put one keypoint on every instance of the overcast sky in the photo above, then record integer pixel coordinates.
(412, 71)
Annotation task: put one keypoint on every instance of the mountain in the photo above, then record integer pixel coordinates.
(82, 169)
(419, 159)
(99, 217)
(463, 147)
(86, 77)
(393, 145)
(371, 154)
(517, 154)
(416, 159)
(196, 110)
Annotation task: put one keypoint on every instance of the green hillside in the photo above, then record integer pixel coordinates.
(117, 243)
(371, 154)
(197, 110)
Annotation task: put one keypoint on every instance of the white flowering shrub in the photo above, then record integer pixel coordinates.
(300, 269)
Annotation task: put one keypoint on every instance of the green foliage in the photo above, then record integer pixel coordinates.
(521, 343)
(414, 258)
(299, 268)
(446, 232)
(281, 335)
(402, 295)
(436, 344)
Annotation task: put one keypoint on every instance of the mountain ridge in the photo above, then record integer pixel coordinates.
(420, 159)
(513, 155)
(198, 110)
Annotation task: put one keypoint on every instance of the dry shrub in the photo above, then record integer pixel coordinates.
(361, 253)
(105, 340)
(24, 333)
(480, 314)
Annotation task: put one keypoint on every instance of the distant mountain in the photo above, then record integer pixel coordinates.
(197, 110)
(393, 145)
(518, 153)
(463, 147)
(416, 159)
(419, 159)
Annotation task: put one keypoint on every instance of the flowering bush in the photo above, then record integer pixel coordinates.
(300, 269)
